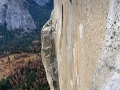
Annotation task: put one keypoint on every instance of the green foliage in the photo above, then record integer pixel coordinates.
(12, 43)
(4, 84)
(30, 76)
(15, 41)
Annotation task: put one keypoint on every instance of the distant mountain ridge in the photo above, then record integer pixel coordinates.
(16, 14)
(20, 24)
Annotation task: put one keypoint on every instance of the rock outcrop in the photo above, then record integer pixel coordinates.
(87, 45)
(15, 14)
(18, 16)
(48, 54)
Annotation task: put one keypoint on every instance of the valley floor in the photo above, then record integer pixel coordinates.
(7, 63)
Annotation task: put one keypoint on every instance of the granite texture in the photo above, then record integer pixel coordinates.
(49, 55)
(15, 14)
(87, 44)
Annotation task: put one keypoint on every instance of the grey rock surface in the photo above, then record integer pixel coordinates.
(3, 10)
(48, 55)
(87, 44)
(108, 67)
(16, 15)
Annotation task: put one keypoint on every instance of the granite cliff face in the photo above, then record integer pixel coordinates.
(42, 2)
(16, 15)
(87, 45)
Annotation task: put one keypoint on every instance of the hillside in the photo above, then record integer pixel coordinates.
(22, 72)
(20, 39)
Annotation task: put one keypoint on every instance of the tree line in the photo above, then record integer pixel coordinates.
(29, 76)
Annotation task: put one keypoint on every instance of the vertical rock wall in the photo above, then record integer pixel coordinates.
(49, 55)
(87, 46)
(18, 16)
(107, 74)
